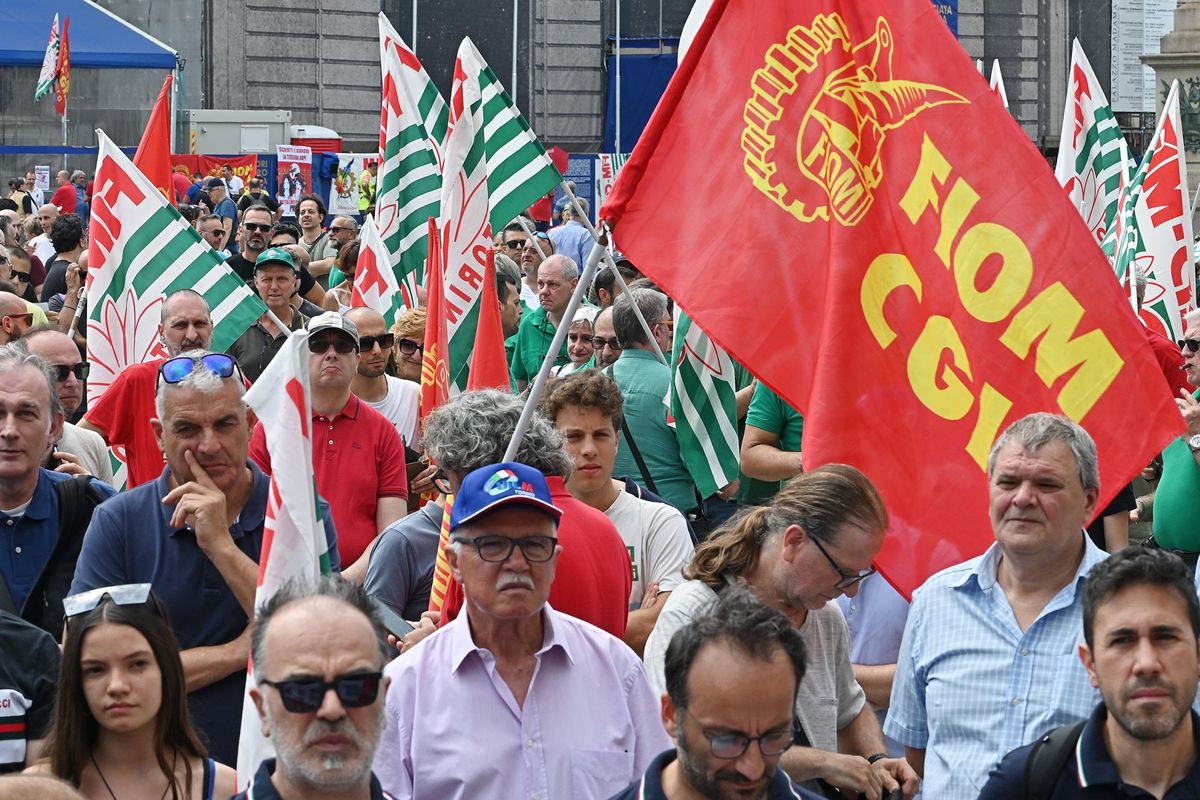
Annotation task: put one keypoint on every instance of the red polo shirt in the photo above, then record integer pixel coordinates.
(124, 412)
(1170, 361)
(66, 199)
(594, 575)
(358, 457)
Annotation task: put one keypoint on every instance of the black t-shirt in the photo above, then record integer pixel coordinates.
(28, 677)
(246, 200)
(56, 279)
(244, 268)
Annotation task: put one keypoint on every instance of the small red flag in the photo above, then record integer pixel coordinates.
(62, 84)
(435, 370)
(905, 295)
(153, 155)
(489, 365)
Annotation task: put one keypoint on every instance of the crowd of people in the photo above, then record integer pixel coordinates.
(605, 629)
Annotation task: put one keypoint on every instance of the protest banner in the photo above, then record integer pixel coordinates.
(295, 176)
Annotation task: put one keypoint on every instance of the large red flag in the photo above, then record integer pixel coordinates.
(62, 81)
(904, 269)
(153, 156)
(489, 365)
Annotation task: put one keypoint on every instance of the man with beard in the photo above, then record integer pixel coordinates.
(732, 681)
(395, 399)
(1140, 622)
(122, 414)
(324, 741)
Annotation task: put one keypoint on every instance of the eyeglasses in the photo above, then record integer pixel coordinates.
(305, 695)
(498, 549)
(385, 342)
(254, 227)
(732, 745)
(19, 276)
(80, 370)
(127, 594)
(599, 342)
(515, 244)
(340, 228)
(339, 343)
(174, 370)
(1192, 345)
(848, 578)
(27, 316)
(580, 338)
(408, 346)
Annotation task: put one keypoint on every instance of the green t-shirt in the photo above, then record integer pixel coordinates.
(533, 341)
(1177, 499)
(768, 412)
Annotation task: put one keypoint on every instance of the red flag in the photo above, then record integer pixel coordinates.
(62, 84)
(489, 364)
(153, 155)
(905, 295)
(435, 370)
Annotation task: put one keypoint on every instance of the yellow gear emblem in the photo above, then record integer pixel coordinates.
(836, 163)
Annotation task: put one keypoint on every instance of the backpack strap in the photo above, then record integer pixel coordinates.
(648, 482)
(1048, 758)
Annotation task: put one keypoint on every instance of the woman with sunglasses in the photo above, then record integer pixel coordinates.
(121, 727)
(338, 297)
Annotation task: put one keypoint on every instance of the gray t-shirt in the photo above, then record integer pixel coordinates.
(829, 698)
(400, 566)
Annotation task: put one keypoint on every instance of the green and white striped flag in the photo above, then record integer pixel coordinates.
(45, 84)
(140, 251)
(413, 124)
(519, 170)
(1092, 150)
(703, 406)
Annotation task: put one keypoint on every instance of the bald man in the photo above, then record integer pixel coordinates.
(42, 247)
(15, 318)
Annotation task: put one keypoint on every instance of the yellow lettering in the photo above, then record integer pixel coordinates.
(1053, 316)
(887, 273)
(1016, 271)
(935, 384)
(932, 174)
(993, 408)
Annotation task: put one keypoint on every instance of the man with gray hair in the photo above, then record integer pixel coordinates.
(324, 742)
(195, 534)
(988, 658)
(472, 430)
(572, 238)
(40, 544)
(556, 280)
(648, 451)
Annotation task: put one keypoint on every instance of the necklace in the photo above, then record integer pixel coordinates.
(110, 791)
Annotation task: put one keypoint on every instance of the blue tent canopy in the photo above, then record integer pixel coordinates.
(97, 37)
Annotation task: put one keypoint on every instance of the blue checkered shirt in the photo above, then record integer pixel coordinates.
(971, 686)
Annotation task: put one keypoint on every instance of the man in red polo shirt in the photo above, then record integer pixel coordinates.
(358, 456)
(122, 414)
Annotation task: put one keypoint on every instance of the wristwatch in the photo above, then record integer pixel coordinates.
(1193, 443)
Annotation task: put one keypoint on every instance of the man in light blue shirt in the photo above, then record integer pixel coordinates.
(988, 661)
(572, 238)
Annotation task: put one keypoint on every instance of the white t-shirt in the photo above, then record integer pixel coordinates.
(657, 538)
(43, 249)
(400, 407)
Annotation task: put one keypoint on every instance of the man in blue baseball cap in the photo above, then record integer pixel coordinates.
(482, 667)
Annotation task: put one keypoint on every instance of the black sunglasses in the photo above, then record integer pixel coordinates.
(385, 342)
(174, 370)
(81, 370)
(515, 244)
(305, 695)
(20, 276)
(340, 343)
(408, 346)
(1192, 345)
(254, 227)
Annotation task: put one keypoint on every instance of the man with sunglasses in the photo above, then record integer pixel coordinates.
(732, 680)
(342, 231)
(320, 691)
(195, 534)
(988, 662)
(358, 456)
(15, 318)
(605, 344)
(395, 399)
(586, 727)
(76, 447)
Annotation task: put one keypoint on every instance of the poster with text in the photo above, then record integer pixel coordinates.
(295, 176)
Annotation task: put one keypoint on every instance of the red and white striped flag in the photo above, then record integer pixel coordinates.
(375, 284)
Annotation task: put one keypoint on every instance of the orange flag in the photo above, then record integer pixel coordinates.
(489, 365)
(153, 155)
(904, 294)
(62, 83)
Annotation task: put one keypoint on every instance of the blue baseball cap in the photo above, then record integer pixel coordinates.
(488, 488)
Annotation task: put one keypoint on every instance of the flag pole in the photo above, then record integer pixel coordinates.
(560, 336)
(608, 260)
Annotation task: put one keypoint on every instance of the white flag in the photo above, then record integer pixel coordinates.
(375, 284)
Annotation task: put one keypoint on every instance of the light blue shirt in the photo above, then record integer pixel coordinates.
(971, 686)
(574, 240)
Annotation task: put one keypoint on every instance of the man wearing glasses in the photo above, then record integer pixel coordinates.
(504, 551)
(342, 231)
(529, 257)
(988, 661)
(817, 540)
(15, 318)
(395, 399)
(195, 535)
(320, 693)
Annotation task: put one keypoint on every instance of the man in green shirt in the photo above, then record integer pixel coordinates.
(770, 446)
(557, 277)
(1177, 500)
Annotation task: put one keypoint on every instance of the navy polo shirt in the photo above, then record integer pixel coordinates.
(1090, 774)
(130, 540)
(650, 786)
(263, 789)
(28, 540)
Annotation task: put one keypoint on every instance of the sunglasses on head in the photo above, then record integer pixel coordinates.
(1192, 345)
(80, 370)
(385, 342)
(340, 343)
(174, 370)
(408, 346)
(254, 227)
(305, 695)
(127, 594)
